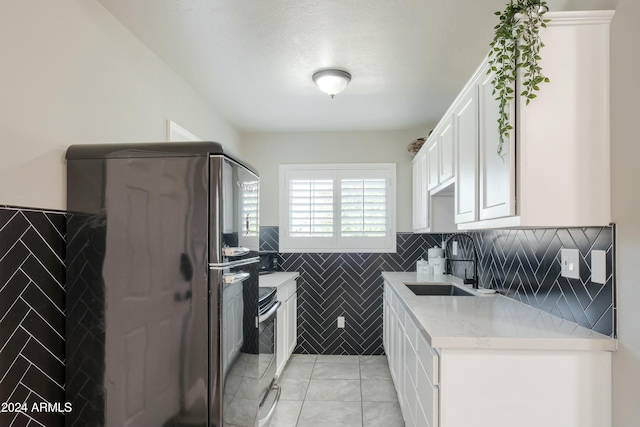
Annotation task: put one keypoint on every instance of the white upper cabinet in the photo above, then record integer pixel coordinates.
(562, 136)
(432, 198)
(496, 185)
(555, 169)
(420, 196)
(440, 155)
(446, 153)
(465, 130)
(433, 160)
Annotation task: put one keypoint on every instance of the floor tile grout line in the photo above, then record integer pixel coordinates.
(361, 396)
(304, 401)
(305, 393)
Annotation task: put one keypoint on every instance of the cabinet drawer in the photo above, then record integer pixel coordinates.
(411, 330)
(282, 293)
(411, 363)
(401, 314)
(410, 400)
(427, 402)
(289, 289)
(429, 359)
(422, 420)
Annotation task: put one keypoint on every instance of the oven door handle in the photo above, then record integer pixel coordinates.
(230, 251)
(235, 277)
(269, 313)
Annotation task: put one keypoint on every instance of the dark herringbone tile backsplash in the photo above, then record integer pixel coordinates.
(525, 265)
(32, 272)
(520, 264)
(349, 285)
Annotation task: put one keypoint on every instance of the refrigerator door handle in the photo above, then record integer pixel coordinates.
(230, 251)
(235, 277)
(233, 264)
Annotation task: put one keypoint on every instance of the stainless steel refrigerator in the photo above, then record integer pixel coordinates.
(162, 286)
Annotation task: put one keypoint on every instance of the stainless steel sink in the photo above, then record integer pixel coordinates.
(437, 289)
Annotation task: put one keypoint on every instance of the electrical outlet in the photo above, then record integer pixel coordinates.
(599, 267)
(454, 247)
(341, 322)
(570, 261)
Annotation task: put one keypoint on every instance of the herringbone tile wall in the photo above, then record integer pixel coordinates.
(32, 274)
(349, 285)
(525, 265)
(520, 264)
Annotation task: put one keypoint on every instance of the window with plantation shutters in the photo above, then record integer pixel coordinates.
(363, 205)
(311, 207)
(337, 208)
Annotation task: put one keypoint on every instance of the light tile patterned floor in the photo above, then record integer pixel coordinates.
(345, 391)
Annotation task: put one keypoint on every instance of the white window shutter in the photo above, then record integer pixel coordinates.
(311, 207)
(337, 208)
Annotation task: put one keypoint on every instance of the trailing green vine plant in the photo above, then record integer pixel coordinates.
(516, 45)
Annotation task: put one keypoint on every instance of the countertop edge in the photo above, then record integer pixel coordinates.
(277, 279)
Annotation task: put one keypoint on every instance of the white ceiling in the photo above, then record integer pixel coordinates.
(253, 59)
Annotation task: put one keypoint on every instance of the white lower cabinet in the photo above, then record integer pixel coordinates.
(484, 387)
(292, 315)
(413, 365)
(287, 335)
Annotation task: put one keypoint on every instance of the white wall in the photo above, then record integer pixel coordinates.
(266, 151)
(625, 155)
(70, 73)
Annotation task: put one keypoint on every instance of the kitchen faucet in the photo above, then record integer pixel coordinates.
(467, 281)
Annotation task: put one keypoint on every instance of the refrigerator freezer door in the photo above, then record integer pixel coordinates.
(235, 195)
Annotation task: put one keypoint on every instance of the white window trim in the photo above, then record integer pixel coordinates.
(176, 133)
(336, 244)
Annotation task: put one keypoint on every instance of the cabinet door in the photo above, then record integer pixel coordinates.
(281, 338)
(292, 316)
(433, 160)
(497, 174)
(446, 152)
(393, 345)
(385, 321)
(400, 358)
(420, 192)
(465, 131)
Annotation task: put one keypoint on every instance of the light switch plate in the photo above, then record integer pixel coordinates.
(599, 266)
(570, 261)
(340, 321)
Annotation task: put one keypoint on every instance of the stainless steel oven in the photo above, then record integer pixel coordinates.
(269, 391)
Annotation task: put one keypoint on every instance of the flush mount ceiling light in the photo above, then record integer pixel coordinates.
(331, 81)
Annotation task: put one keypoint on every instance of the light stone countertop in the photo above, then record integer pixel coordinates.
(277, 279)
(490, 321)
